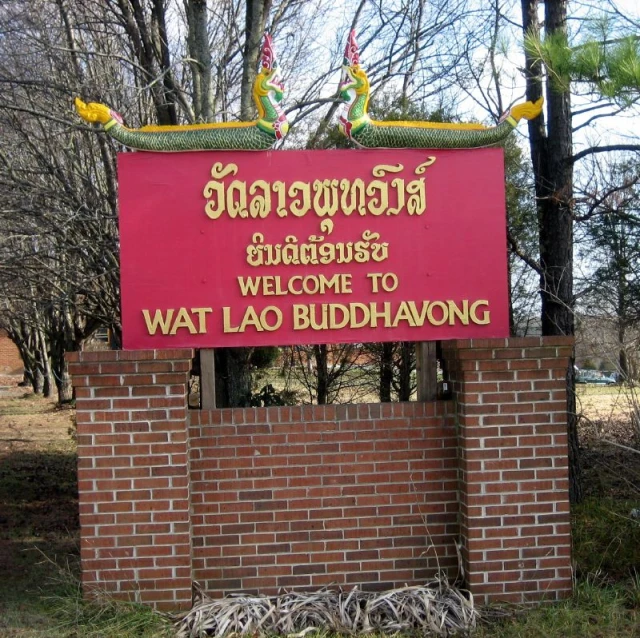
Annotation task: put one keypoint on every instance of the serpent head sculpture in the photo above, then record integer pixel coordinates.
(259, 134)
(358, 126)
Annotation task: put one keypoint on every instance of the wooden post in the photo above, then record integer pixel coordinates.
(207, 379)
(426, 370)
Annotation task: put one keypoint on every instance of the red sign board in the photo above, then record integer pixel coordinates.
(297, 247)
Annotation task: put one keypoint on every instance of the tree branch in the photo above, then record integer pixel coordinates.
(604, 149)
(516, 249)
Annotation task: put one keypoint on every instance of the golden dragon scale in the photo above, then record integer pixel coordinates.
(359, 127)
(260, 134)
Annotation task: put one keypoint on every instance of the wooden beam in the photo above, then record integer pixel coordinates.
(426, 370)
(207, 379)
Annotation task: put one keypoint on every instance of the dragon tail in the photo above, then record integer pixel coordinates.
(94, 112)
(527, 110)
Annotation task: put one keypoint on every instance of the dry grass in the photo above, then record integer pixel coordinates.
(435, 609)
(605, 403)
(610, 440)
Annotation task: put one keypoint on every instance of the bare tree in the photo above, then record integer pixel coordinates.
(609, 289)
(328, 373)
(170, 61)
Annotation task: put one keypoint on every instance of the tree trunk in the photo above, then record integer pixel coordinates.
(233, 374)
(151, 53)
(622, 314)
(257, 13)
(407, 350)
(322, 371)
(22, 338)
(551, 154)
(233, 377)
(386, 371)
(623, 361)
(60, 372)
(200, 54)
(44, 363)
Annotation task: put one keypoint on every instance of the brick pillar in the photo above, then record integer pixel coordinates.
(510, 399)
(133, 473)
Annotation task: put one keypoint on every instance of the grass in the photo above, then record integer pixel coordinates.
(606, 600)
(101, 616)
(597, 609)
(47, 602)
(38, 516)
(606, 538)
(40, 596)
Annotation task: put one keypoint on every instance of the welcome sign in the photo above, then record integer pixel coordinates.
(274, 248)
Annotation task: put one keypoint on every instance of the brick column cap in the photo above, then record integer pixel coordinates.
(510, 342)
(109, 356)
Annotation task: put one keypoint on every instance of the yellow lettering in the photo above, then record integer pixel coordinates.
(300, 208)
(419, 317)
(293, 290)
(323, 324)
(280, 189)
(202, 319)
(377, 314)
(159, 319)
(432, 318)
(226, 320)
(456, 313)
(270, 285)
(251, 319)
(249, 285)
(486, 315)
(328, 284)
(261, 204)
(404, 314)
(417, 203)
(183, 320)
(366, 315)
(219, 171)
(334, 323)
(310, 285)
(399, 186)
(264, 316)
(339, 283)
(325, 200)
(378, 205)
(267, 285)
(375, 278)
(279, 290)
(388, 281)
(355, 315)
(355, 193)
(300, 317)
(237, 199)
(323, 197)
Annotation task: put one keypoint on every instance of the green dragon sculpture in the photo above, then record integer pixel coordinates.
(260, 134)
(359, 127)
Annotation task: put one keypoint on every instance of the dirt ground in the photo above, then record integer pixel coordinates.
(38, 505)
(609, 429)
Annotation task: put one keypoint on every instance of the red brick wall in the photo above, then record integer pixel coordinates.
(514, 503)
(310, 496)
(10, 360)
(374, 495)
(133, 476)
